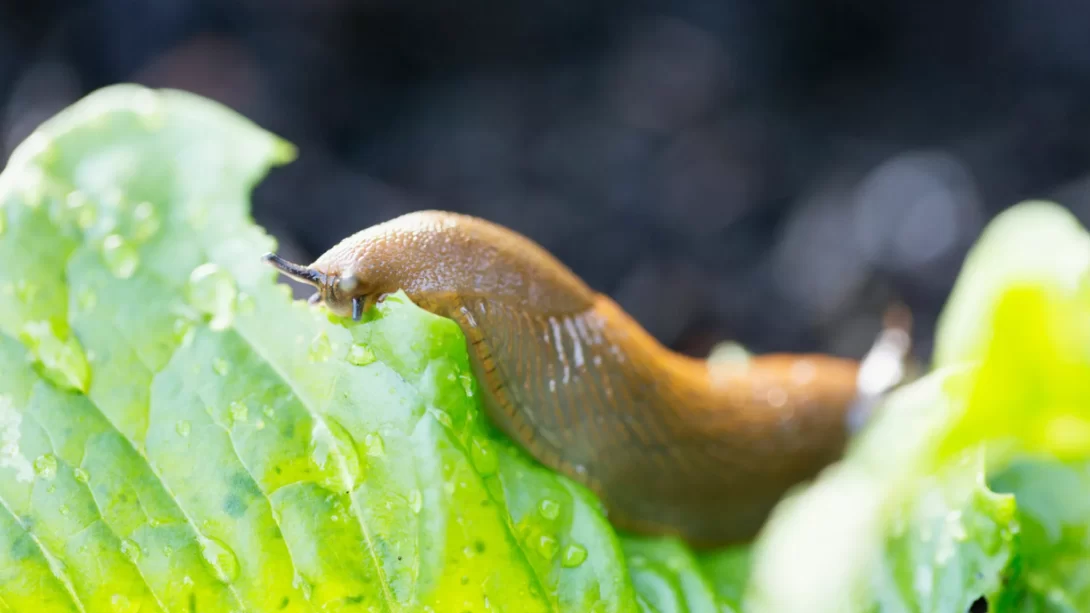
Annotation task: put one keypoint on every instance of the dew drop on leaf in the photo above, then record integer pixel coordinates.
(320, 348)
(360, 355)
(443, 418)
(574, 555)
(220, 558)
(375, 446)
(549, 509)
(131, 550)
(483, 457)
(63, 360)
(212, 291)
(300, 583)
(220, 366)
(546, 546)
(45, 466)
(333, 450)
(416, 501)
(81, 476)
(182, 428)
(120, 603)
(145, 222)
(238, 412)
(81, 207)
(120, 257)
(182, 328)
(63, 509)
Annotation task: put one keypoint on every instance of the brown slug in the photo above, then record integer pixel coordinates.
(672, 445)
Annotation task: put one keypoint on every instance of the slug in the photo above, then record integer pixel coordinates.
(671, 444)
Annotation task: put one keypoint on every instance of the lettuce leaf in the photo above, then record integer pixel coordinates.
(176, 434)
(908, 515)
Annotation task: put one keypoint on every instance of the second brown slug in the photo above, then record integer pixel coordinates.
(672, 445)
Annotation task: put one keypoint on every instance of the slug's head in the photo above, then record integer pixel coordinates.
(344, 295)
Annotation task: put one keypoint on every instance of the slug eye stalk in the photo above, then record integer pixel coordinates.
(318, 279)
(295, 271)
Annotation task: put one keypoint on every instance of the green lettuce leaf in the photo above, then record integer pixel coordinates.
(907, 515)
(176, 434)
(1031, 396)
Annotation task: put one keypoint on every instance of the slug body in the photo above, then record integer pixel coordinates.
(672, 445)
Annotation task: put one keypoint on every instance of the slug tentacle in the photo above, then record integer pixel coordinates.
(295, 271)
(671, 444)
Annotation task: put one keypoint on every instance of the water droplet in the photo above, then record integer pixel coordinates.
(86, 300)
(63, 360)
(182, 329)
(168, 551)
(182, 428)
(546, 546)
(549, 509)
(320, 348)
(220, 366)
(212, 291)
(238, 412)
(483, 457)
(416, 501)
(467, 384)
(375, 446)
(131, 550)
(145, 222)
(121, 257)
(443, 418)
(82, 476)
(45, 466)
(574, 555)
(220, 558)
(120, 603)
(360, 355)
(301, 583)
(334, 451)
(63, 509)
(79, 207)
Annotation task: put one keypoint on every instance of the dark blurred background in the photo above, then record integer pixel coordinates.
(774, 172)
